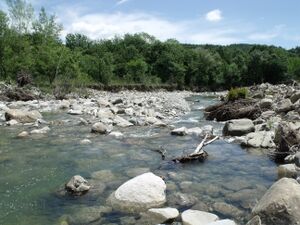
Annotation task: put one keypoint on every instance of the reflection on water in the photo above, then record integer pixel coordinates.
(33, 170)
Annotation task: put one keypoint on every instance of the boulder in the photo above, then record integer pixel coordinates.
(297, 159)
(159, 215)
(287, 170)
(259, 139)
(180, 131)
(223, 222)
(238, 127)
(295, 97)
(139, 194)
(266, 103)
(284, 106)
(197, 131)
(280, 204)
(22, 115)
(195, 217)
(121, 122)
(254, 221)
(77, 185)
(287, 137)
(100, 128)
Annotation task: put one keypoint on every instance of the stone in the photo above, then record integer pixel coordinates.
(284, 106)
(182, 131)
(85, 142)
(280, 204)
(77, 185)
(103, 175)
(181, 199)
(100, 128)
(12, 123)
(117, 101)
(227, 209)
(254, 221)
(75, 112)
(116, 134)
(23, 134)
(103, 102)
(22, 116)
(238, 127)
(43, 130)
(140, 193)
(161, 215)
(223, 222)
(297, 159)
(266, 103)
(287, 170)
(292, 115)
(195, 217)
(196, 131)
(208, 129)
(268, 114)
(295, 97)
(121, 122)
(259, 139)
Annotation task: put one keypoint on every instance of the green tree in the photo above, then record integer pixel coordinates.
(136, 70)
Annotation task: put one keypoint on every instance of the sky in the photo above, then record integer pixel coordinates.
(271, 22)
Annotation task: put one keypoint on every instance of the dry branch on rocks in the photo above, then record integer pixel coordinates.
(198, 154)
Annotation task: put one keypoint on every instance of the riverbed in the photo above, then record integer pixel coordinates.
(32, 170)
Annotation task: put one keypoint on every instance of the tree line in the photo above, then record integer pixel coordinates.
(32, 45)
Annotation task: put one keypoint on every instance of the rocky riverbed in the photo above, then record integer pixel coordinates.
(113, 140)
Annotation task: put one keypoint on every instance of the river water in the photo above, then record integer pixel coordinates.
(33, 169)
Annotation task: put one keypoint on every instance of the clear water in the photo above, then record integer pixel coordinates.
(33, 169)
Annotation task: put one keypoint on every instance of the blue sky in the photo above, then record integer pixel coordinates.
(272, 22)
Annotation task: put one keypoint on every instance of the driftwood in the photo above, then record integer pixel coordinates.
(233, 110)
(198, 154)
(161, 151)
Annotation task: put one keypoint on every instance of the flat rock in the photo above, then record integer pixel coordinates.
(238, 127)
(22, 116)
(195, 217)
(180, 131)
(260, 139)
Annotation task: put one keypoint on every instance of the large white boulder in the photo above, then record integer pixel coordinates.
(280, 204)
(238, 127)
(22, 116)
(139, 194)
(196, 217)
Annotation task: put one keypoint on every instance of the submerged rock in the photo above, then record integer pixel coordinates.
(44, 130)
(23, 134)
(77, 185)
(85, 142)
(238, 127)
(280, 204)
(195, 217)
(140, 193)
(100, 128)
(180, 131)
(159, 215)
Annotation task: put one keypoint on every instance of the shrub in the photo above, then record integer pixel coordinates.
(237, 93)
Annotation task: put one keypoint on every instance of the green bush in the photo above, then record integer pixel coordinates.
(237, 93)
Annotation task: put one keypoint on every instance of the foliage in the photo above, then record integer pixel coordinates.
(33, 45)
(237, 93)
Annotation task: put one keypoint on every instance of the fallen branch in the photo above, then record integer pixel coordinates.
(198, 154)
(161, 151)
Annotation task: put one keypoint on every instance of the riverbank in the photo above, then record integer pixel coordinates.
(111, 138)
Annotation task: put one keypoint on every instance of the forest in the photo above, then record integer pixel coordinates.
(31, 44)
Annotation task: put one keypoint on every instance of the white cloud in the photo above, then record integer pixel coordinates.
(214, 15)
(120, 2)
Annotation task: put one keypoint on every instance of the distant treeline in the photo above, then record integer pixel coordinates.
(32, 45)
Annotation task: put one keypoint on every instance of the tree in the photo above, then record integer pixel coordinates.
(74, 41)
(21, 15)
(46, 26)
(136, 70)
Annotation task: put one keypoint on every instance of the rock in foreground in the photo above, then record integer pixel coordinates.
(195, 217)
(280, 204)
(140, 193)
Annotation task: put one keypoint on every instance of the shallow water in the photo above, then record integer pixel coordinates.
(33, 169)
